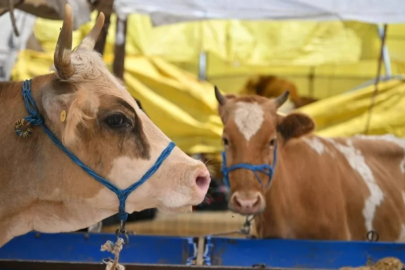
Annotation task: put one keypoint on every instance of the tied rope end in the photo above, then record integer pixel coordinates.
(23, 127)
(114, 249)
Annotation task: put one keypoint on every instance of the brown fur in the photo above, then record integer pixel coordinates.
(313, 195)
(272, 87)
(42, 189)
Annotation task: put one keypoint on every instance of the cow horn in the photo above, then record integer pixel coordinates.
(220, 98)
(90, 39)
(63, 49)
(279, 101)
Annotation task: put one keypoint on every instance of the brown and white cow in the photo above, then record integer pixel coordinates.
(42, 189)
(322, 188)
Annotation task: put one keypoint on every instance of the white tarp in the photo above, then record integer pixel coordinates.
(166, 12)
(10, 44)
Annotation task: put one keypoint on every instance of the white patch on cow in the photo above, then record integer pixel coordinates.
(316, 144)
(124, 172)
(358, 163)
(177, 198)
(388, 138)
(401, 237)
(248, 118)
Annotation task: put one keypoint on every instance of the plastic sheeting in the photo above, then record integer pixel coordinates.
(185, 108)
(346, 114)
(11, 44)
(238, 43)
(164, 12)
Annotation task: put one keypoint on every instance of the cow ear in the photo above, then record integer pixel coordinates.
(295, 125)
(138, 102)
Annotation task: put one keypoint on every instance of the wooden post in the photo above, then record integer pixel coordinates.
(105, 6)
(200, 251)
(119, 49)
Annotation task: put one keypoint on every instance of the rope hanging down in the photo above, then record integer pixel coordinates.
(377, 80)
(245, 230)
(23, 128)
(114, 249)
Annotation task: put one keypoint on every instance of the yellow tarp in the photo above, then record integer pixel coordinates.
(238, 42)
(161, 67)
(346, 114)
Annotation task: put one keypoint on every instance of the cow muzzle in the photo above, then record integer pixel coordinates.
(249, 203)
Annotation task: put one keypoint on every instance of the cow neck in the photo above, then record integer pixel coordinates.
(273, 220)
(34, 118)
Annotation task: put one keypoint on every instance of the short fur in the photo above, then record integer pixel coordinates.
(42, 189)
(331, 189)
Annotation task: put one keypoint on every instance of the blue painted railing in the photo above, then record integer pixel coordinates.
(80, 247)
(297, 253)
(219, 251)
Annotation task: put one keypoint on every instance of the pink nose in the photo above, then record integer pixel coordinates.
(202, 181)
(247, 205)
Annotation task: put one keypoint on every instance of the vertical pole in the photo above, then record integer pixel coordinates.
(119, 49)
(107, 8)
(202, 59)
(311, 78)
(380, 60)
(386, 55)
(202, 66)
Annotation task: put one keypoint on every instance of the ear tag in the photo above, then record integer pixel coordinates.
(63, 116)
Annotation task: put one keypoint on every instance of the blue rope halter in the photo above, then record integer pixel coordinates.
(36, 119)
(263, 168)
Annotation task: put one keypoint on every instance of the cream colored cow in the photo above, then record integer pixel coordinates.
(42, 189)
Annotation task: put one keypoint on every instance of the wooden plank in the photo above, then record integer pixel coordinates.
(119, 49)
(200, 250)
(42, 265)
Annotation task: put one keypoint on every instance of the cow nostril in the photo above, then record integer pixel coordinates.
(236, 202)
(257, 202)
(246, 203)
(203, 182)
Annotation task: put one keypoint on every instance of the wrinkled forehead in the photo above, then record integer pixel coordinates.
(249, 118)
(92, 76)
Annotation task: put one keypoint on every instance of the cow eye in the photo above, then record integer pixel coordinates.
(117, 120)
(272, 142)
(225, 140)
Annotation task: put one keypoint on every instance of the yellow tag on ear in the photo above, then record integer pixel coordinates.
(63, 116)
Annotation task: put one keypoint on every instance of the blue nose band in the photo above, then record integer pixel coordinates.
(262, 168)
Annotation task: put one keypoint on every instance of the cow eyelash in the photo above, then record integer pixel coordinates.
(117, 120)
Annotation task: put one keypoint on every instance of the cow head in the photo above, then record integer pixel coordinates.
(252, 131)
(109, 132)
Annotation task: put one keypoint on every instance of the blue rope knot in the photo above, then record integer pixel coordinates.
(35, 118)
(266, 169)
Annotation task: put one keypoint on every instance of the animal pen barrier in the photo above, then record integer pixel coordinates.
(82, 251)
